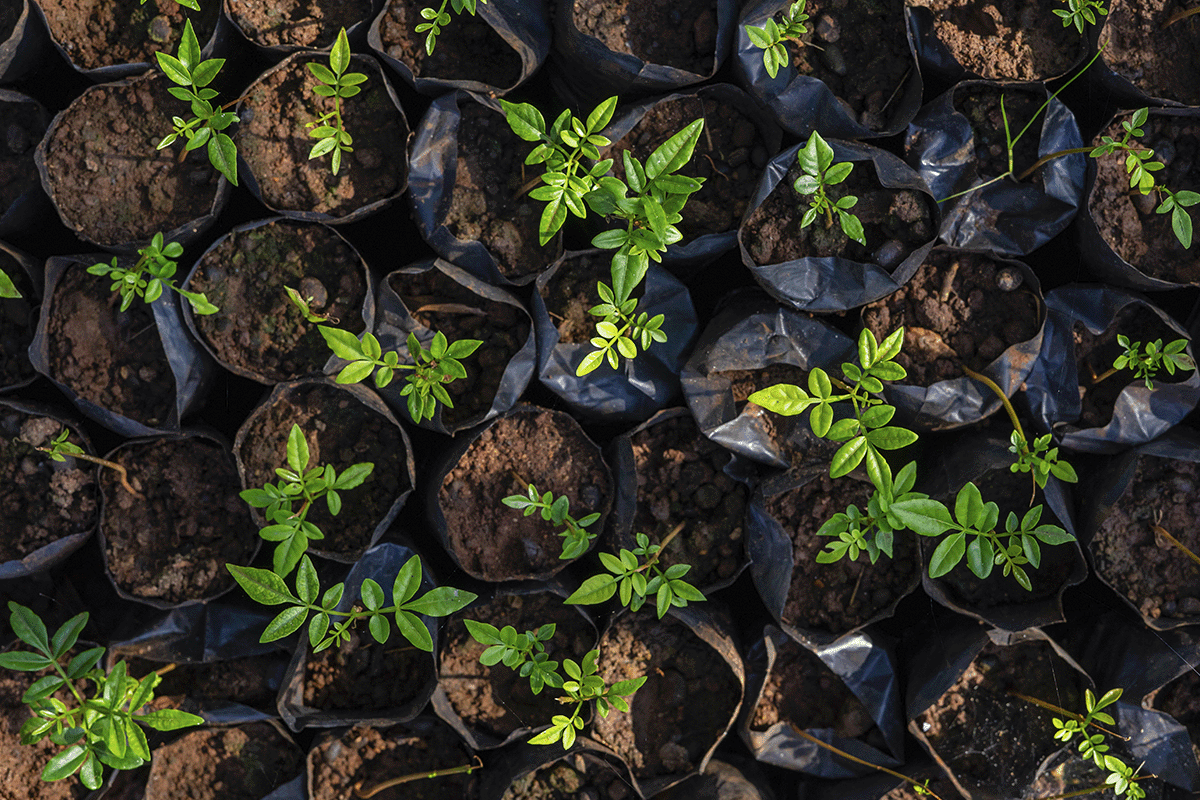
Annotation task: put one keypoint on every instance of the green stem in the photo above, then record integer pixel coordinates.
(1093, 789)
(120, 470)
(1051, 157)
(477, 763)
(661, 548)
(1066, 713)
(991, 384)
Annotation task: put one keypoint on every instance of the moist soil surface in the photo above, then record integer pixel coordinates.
(17, 325)
(98, 33)
(547, 449)
(1157, 577)
(1128, 222)
(981, 106)
(665, 732)
(1160, 60)
(367, 756)
(468, 49)
(251, 681)
(1011, 40)
(258, 331)
(440, 303)
(237, 763)
(274, 140)
(954, 310)
(340, 431)
(363, 676)
(23, 127)
(792, 436)
(105, 175)
(577, 777)
(488, 203)
(496, 701)
(572, 291)
(296, 23)
(173, 544)
(111, 357)
(681, 35)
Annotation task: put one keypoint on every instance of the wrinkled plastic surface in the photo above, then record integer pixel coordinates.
(32, 204)
(586, 756)
(33, 277)
(25, 45)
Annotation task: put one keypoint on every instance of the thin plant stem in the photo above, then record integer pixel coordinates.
(991, 384)
(1092, 789)
(661, 548)
(1051, 157)
(477, 763)
(1065, 713)
(1163, 533)
(1181, 15)
(121, 473)
(857, 760)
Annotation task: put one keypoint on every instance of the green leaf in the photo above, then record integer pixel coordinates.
(173, 69)
(169, 719)
(29, 627)
(41, 688)
(408, 580)
(672, 154)
(82, 663)
(222, 154)
(339, 55)
(947, 554)
(525, 120)
(596, 589)
(981, 556)
(23, 661)
(262, 585)
(413, 629)
(601, 114)
(891, 438)
(286, 623)
(922, 515)
(482, 632)
(441, 601)
(848, 456)
(371, 594)
(189, 47)
(380, 629)
(65, 763)
(782, 398)
(968, 505)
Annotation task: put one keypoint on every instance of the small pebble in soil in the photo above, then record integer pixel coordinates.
(159, 30)
(889, 254)
(1008, 279)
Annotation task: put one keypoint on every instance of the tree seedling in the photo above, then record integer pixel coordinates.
(304, 306)
(436, 20)
(1081, 12)
(365, 793)
(432, 368)
(290, 528)
(60, 449)
(628, 576)
(335, 82)
(153, 270)
(1145, 363)
(772, 37)
(524, 652)
(576, 536)
(102, 728)
(816, 161)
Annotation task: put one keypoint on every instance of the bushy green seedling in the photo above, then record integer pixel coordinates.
(816, 161)
(436, 20)
(290, 527)
(102, 727)
(524, 652)
(1122, 778)
(60, 449)
(628, 576)
(772, 37)
(153, 270)
(1145, 360)
(1081, 12)
(432, 368)
(304, 306)
(208, 123)
(576, 536)
(7, 287)
(335, 82)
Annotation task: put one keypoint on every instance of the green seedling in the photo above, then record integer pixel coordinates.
(335, 82)
(816, 161)
(192, 4)
(628, 576)
(524, 652)
(209, 123)
(432, 368)
(153, 270)
(94, 729)
(7, 287)
(575, 534)
(289, 526)
(1080, 13)
(1145, 360)
(304, 306)
(60, 450)
(772, 37)
(436, 20)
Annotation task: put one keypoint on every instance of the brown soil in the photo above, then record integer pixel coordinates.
(258, 331)
(729, 157)
(275, 143)
(681, 35)
(488, 203)
(981, 106)
(468, 49)
(25, 124)
(237, 763)
(1016, 40)
(793, 436)
(576, 777)
(898, 220)
(366, 756)
(97, 33)
(365, 676)
(173, 544)
(968, 320)
(1161, 62)
(17, 325)
(679, 480)
(251, 681)
(113, 358)
(572, 291)
(497, 700)
(681, 711)
(1181, 699)
(441, 304)
(126, 190)
(1128, 221)
(340, 431)
(547, 449)
(1155, 575)
(299, 23)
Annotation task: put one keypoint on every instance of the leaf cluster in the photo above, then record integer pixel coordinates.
(628, 576)
(1122, 777)
(1040, 459)
(524, 652)
(816, 161)
(436, 20)
(576, 536)
(1146, 363)
(99, 730)
(60, 448)
(333, 81)
(771, 37)
(154, 269)
(1079, 12)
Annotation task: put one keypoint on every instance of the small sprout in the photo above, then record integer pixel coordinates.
(525, 652)
(771, 37)
(153, 270)
(1079, 12)
(629, 577)
(816, 161)
(439, 19)
(60, 449)
(1145, 363)
(304, 306)
(334, 81)
(557, 511)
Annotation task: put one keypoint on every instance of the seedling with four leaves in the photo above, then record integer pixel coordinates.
(575, 533)
(816, 161)
(153, 270)
(335, 82)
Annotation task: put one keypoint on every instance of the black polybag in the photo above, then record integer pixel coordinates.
(31, 205)
(1005, 217)
(513, 764)
(1104, 81)
(28, 306)
(22, 50)
(725, 777)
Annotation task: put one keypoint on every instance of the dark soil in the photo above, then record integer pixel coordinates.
(252, 681)
(1128, 221)
(679, 481)
(665, 732)
(237, 763)
(729, 157)
(488, 202)
(681, 35)
(340, 431)
(365, 676)
(576, 777)
(97, 33)
(173, 545)
(105, 175)
(366, 756)
(1011, 40)
(298, 23)
(792, 436)
(1160, 61)
(981, 106)
(441, 304)
(9, 14)
(547, 449)
(468, 49)
(24, 125)
(1181, 699)
(572, 291)
(275, 143)
(895, 221)
(259, 332)
(497, 700)
(17, 325)
(1155, 575)
(955, 311)
(113, 358)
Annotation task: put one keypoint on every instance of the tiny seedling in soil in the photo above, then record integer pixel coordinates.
(289, 527)
(7, 288)
(816, 160)
(575, 534)
(1145, 360)
(1081, 12)
(60, 449)
(440, 19)
(771, 38)
(334, 82)
(98, 730)
(153, 270)
(432, 367)
(304, 306)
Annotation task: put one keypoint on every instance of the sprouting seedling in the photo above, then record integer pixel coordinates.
(192, 4)
(816, 161)
(304, 306)
(575, 532)
(439, 19)
(7, 287)
(1081, 12)
(431, 368)
(60, 449)
(153, 270)
(524, 652)
(335, 82)
(1145, 360)
(101, 728)
(771, 37)
(208, 125)
(628, 576)
(290, 526)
